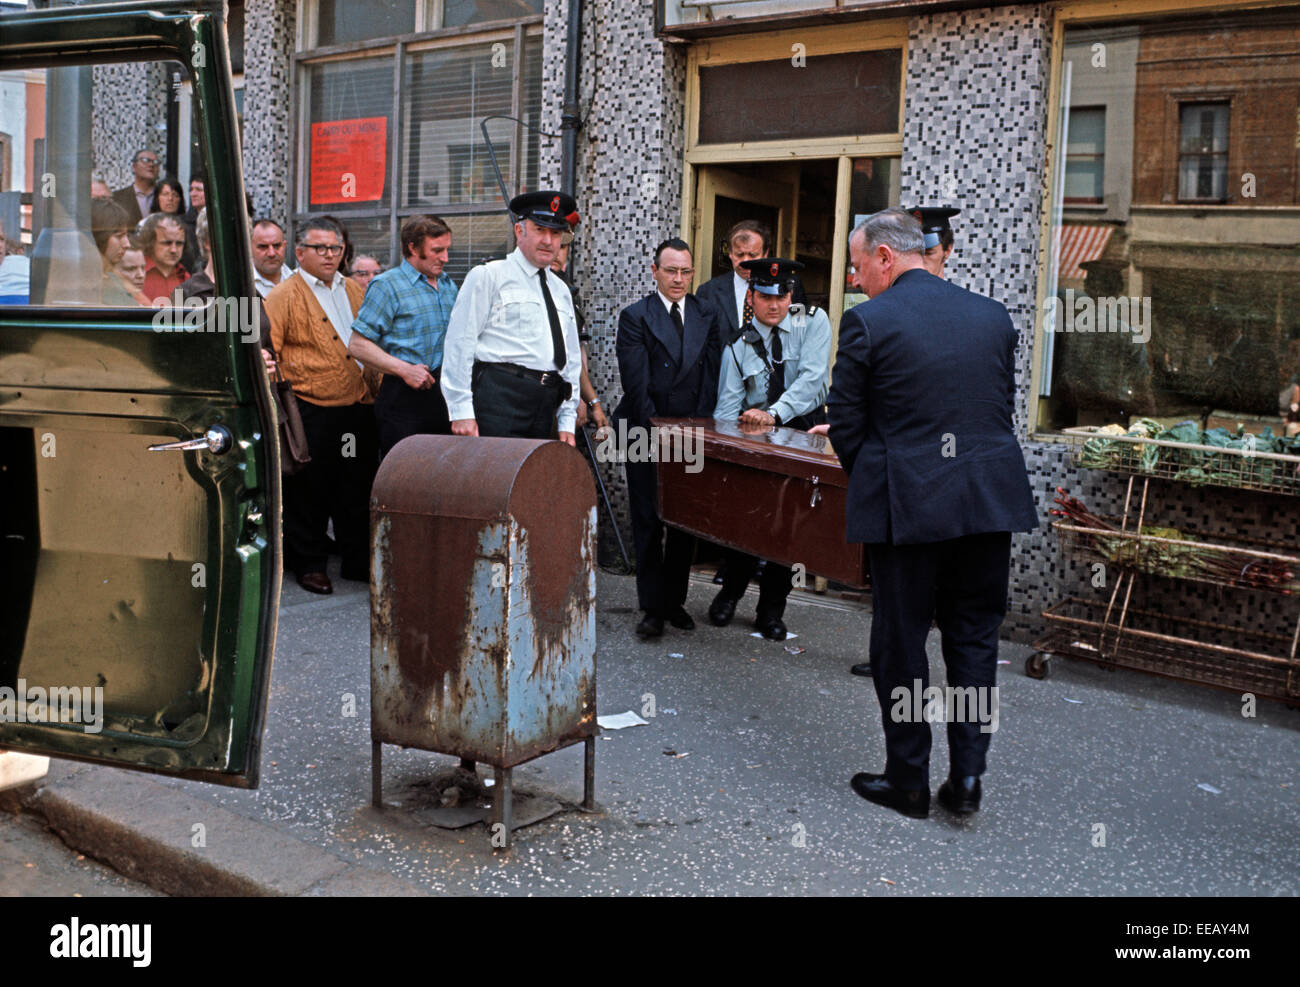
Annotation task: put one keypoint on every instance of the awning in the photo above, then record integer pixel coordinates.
(1076, 245)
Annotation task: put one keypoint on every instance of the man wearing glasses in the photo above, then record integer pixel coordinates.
(669, 346)
(135, 198)
(311, 324)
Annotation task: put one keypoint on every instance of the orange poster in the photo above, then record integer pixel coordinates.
(348, 160)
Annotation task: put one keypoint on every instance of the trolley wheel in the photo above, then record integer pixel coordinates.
(1037, 666)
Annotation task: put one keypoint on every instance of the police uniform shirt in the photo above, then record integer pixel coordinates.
(500, 317)
(806, 350)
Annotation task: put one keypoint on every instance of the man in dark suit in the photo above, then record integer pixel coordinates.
(669, 348)
(920, 415)
(747, 240)
(136, 197)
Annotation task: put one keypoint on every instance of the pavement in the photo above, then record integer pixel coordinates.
(1100, 782)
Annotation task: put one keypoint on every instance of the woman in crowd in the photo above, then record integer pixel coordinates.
(169, 197)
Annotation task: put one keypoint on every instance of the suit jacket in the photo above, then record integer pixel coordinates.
(125, 197)
(720, 294)
(920, 415)
(664, 375)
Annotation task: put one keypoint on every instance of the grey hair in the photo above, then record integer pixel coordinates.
(201, 227)
(898, 230)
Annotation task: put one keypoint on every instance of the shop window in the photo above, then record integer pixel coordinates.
(348, 139)
(1203, 152)
(1154, 305)
(1085, 155)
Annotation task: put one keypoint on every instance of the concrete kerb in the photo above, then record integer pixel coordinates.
(145, 831)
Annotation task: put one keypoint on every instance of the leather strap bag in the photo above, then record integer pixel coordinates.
(294, 455)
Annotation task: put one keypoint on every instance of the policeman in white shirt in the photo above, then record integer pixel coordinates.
(511, 363)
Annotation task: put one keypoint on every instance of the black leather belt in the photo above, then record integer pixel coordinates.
(547, 378)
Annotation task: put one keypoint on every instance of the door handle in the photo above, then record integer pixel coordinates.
(217, 439)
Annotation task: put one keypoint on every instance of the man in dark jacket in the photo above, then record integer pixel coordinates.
(669, 347)
(747, 240)
(921, 417)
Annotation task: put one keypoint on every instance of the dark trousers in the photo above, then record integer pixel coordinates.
(513, 407)
(402, 411)
(335, 484)
(961, 585)
(773, 589)
(663, 554)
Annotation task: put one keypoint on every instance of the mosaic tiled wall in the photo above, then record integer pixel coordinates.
(128, 113)
(974, 136)
(268, 133)
(629, 170)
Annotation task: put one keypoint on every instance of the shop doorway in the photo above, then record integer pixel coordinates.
(810, 205)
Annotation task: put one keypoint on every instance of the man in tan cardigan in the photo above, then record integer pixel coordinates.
(311, 322)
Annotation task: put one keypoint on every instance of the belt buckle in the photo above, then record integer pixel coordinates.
(546, 377)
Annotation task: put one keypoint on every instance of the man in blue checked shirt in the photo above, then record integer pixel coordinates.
(400, 331)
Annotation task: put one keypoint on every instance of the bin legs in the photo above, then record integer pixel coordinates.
(503, 804)
(376, 774)
(589, 773)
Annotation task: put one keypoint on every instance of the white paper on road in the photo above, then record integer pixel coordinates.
(788, 637)
(620, 720)
(1207, 787)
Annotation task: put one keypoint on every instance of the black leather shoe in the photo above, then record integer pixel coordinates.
(650, 626)
(681, 620)
(863, 669)
(721, 610)
(316, 582)
(961, 796)
(771, 628)
(876, 788)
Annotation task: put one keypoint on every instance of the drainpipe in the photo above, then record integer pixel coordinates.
(570, 120)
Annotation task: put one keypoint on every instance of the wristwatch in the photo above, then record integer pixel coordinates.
(776, 419)
(592, 403)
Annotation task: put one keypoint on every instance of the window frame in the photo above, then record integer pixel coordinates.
(1095, 200)
(515, 33)
(1183, 101)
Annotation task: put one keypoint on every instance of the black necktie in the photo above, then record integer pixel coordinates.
(557, 337)
(677, 320)
(746, 314)
(776, 382)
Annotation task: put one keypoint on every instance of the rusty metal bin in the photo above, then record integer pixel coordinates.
(482, 604)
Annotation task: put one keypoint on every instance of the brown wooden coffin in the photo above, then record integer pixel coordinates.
(775, 493)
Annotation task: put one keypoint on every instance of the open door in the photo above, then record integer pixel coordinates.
(724, 197)
(139, 565)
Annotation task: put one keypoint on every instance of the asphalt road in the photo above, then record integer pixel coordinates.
(1111, 783)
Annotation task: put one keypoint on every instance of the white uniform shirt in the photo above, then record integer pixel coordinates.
(333, 299)
(500, 317)
(264, 285)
